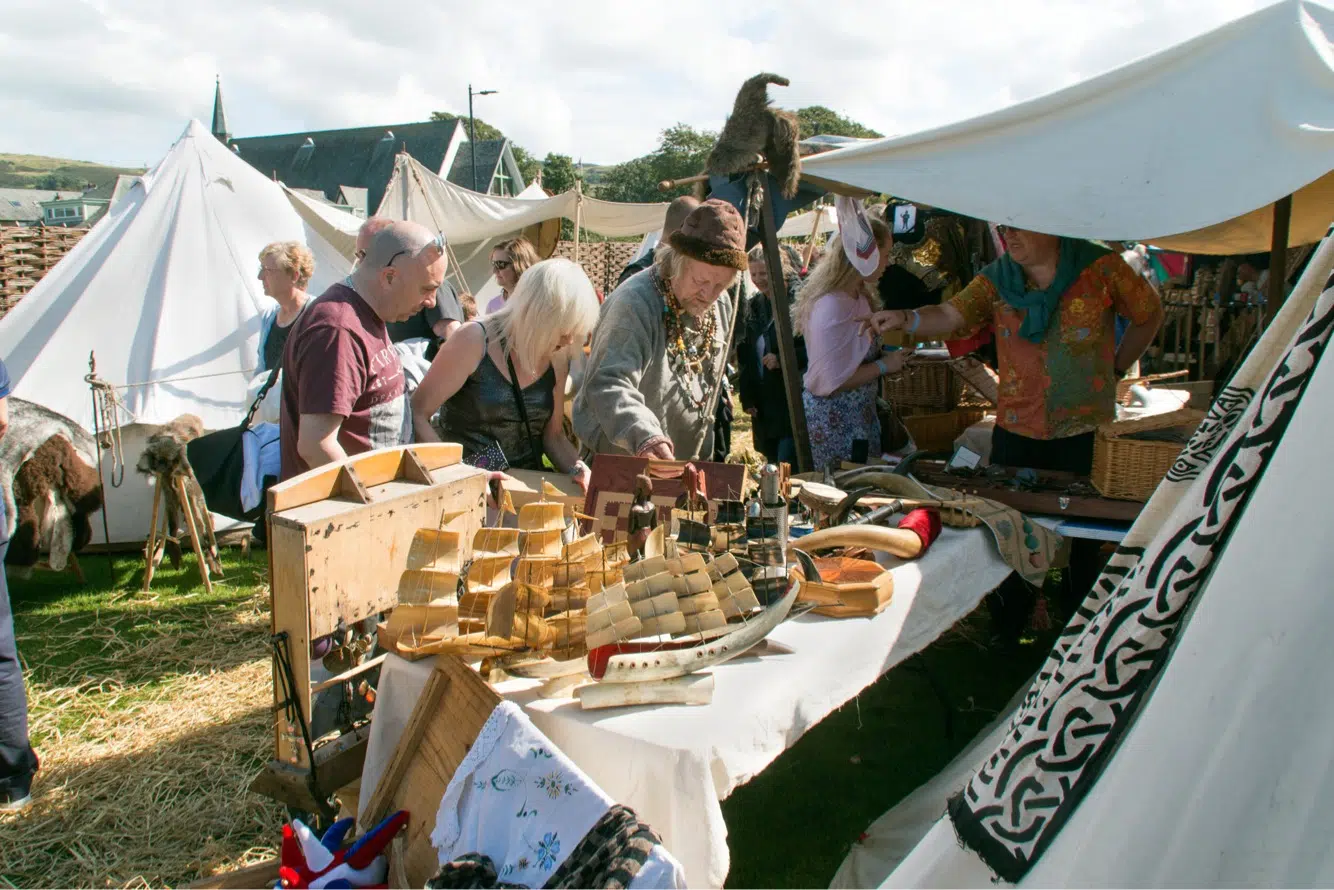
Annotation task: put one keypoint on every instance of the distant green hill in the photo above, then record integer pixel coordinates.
(38, 172)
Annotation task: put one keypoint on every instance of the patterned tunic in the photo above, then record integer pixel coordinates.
(1066, 384)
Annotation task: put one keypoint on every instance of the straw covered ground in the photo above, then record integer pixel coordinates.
(149, 713)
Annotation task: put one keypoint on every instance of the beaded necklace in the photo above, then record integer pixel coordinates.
(689, 350)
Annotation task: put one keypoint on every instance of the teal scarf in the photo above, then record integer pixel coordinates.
(1039, 306)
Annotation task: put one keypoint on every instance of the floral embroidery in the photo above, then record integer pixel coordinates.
(547, 850)
(536, 752)
(554, 784)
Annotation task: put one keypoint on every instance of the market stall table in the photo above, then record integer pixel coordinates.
(674, 765)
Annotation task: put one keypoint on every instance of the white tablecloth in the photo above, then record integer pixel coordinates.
(675, 764)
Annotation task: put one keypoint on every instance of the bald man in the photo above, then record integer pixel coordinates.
(436, 322)
(677, 211)
(342, 382)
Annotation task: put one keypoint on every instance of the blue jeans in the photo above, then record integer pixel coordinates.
(16, 756)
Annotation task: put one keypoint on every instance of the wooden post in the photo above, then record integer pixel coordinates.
(1278, 258)
(787, 352)
(194, 533)
(150, 548)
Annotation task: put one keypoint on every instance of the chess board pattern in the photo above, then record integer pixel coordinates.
(611, 489)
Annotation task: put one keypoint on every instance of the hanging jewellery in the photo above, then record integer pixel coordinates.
(689, 350)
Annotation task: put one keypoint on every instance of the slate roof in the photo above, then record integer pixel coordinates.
(489, 152)
(362, 157)
(355, 198)
(25, 205)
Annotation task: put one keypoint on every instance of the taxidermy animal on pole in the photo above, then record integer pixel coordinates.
(754, 128)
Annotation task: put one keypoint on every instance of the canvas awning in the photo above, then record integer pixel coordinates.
(1187, 149)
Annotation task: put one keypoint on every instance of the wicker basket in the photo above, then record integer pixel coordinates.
(927, 384)
(1130, 469)
(937, 431)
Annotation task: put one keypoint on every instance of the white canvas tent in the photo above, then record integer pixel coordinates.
(1215, 760)
(164, 292)
(803, 225)
(1218, 764)
(1188, 148)
(472, 222)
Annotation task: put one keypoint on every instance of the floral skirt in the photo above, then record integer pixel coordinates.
(835, 422)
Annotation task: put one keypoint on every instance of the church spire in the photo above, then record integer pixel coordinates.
(219, 116)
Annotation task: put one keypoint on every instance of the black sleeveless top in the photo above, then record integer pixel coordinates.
(483, 412)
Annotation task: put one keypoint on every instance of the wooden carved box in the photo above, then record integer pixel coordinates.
(339, 538)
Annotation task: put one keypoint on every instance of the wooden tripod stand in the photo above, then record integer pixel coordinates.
(197, 522)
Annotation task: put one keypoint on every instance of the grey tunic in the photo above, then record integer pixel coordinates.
(630, 393)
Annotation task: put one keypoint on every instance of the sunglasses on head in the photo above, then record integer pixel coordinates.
(438, 242)
(501, 265)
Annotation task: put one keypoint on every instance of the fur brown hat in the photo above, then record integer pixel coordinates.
(713, 233)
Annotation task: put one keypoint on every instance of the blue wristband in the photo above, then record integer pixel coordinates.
(884, 369)
(916, 321)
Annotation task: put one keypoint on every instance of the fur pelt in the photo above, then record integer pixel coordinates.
(31, 425)
(56, 493)
(754, 128)
(164, 458)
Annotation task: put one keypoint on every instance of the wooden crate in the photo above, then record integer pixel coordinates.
(937, 431)
(1130, 469)
(339, 538)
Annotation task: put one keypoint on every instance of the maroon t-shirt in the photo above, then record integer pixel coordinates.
(339, 360)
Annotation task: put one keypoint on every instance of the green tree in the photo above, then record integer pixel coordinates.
(529, 166)
(681, 152)
(816, 120)
(484, 130)
(558, 173)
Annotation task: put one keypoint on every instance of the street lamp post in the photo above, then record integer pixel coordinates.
(472, 132)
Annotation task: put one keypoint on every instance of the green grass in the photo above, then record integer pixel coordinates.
(29, 171)
(150, 714)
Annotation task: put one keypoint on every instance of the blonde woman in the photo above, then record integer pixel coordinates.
(844, 362)
(501, 378)
(285, 268)
(509, 260)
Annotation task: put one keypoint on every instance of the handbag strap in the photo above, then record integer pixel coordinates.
(263, 391)
(518, 400)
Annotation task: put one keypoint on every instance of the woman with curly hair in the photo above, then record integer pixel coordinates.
(285, 268)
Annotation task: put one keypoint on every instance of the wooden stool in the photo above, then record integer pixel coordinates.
(197, 522)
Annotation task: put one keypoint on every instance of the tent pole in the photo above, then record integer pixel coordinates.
(815, 231)
(578, 216)
(1278, 258)
(782, 313)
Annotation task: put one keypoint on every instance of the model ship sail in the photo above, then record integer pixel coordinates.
(689, 595)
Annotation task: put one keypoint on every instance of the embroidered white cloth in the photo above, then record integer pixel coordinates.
(518, 800)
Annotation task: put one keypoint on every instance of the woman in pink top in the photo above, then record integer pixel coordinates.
(509, 260)
(844, 362)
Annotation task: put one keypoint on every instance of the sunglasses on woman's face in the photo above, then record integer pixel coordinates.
(501, 265)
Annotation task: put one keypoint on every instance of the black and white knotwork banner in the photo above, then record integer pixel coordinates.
(1087, 694)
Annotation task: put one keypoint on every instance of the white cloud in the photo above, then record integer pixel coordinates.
(115, 80)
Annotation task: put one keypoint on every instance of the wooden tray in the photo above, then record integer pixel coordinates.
(450, 713)
(1048, 500)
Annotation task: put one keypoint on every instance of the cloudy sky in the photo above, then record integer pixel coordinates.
(115, 80)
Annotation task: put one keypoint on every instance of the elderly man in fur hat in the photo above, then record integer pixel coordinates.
(660, 348)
